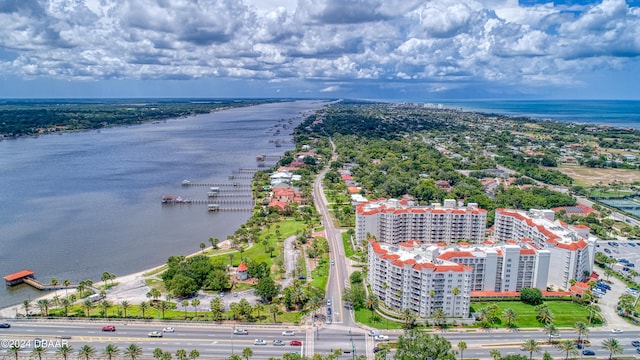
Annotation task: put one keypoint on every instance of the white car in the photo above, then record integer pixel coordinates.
(381, 338)
(260, 342)
(156, 334)
(617, 331)
(554, 335)
(288, 333)
(168, 329)
(240, 331)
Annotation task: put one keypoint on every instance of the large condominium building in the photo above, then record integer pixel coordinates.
(405, 276)
(571, 248)
(397, 221)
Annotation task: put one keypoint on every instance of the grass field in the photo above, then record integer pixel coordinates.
(566, 313)
(589, 176)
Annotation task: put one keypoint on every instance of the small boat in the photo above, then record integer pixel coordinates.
(186, 182)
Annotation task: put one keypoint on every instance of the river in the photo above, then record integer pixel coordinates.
(79, 204)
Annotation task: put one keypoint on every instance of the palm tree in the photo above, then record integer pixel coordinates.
(111, 351)
(372, 303)
(154, 293)
(65, 304)
(247, 353)
(86, 352)
(88, 305)
(217, 309)
(195, 302)
(455, 291)
(545, 316)
(125, 305)
(259, 308)
(133, 352)
(495, 354)
(568, 347)
(194, 354)
(157, 353)
(550, 329)
(181, 354)
(164, 305)
(185, 304)
(54, 283)
(582, 329)
(214, 242)
(614, 347)
(408, 317)
(105, 305)
(143, 307)
(43, 305)
(531, 346)
(511, 316)
(438, 316)
(202, 246)
(274, 309)
(64, 351)
(38, 351)
(26, 305)
(66, 284)
(235, 357)
(462, 346)
(14, 349)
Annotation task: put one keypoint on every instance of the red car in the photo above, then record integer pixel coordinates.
(295, 343)
(109, 328)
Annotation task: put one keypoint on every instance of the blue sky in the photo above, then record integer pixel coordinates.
(385, 49)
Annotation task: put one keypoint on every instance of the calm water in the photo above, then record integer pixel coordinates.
(78, 204)
(618, 113)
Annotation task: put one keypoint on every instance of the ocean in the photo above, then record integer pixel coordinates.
(76, 205)
(616, 113)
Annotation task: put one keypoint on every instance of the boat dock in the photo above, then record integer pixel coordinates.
(219, 185)
(27, 276)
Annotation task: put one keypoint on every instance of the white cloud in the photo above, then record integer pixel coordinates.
(409, 42)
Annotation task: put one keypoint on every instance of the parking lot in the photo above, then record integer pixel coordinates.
(628, 250)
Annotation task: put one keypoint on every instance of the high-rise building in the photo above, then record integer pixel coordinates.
(395, 221)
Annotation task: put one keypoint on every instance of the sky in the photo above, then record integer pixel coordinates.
(366, 49)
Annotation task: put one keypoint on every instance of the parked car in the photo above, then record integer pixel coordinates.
(607, 251)
(288, 333)
(240, 331)
(109, 328)
(168, 329)
(638, 350)
(295, 343)
(586, 352)
(278, 342)
(155, 334)
(381, 338)
(260, 342)
(5, 326)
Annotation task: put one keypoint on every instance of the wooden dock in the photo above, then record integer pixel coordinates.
(28, 277)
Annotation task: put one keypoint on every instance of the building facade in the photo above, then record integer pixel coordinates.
(396, 221)
(405, 276)
(571, 248)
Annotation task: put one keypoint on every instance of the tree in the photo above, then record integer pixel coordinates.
(86, 352)
(154, 293)
(157, 353)
(417, 345)
(247, 353)
(545, 316)
(202, 246)
(267, 289)
(613, 346)
(372, 303)
(143, 307)
(214, 242)
(125, 305)
(195, 303)
(217, 309)
(185, 304)
(274, 309)
(181, 354)
(568, 347)
(38, 351)
(531, 296)
(510, 316)
(26, 305)
(14, 349)
(133, 352)
(455, 291)
(462, 346)
(531, 346)
(194, 354)
(438, 316)
(164, 305)
(104, 305)
(235, 357)
(495, 354)
(43, 305)
(88, 305)
(64, 351)
(582, 329)
(550, 329)
(111, 351)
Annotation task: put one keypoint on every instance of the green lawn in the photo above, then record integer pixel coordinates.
(320, 274)
(363, 316)
(566, 313)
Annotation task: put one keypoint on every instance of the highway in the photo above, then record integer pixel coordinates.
(219, 342)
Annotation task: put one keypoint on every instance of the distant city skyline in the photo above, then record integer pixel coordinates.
(368, 49)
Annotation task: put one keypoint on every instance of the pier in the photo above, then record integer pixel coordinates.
(219, 185)
(27, 276)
